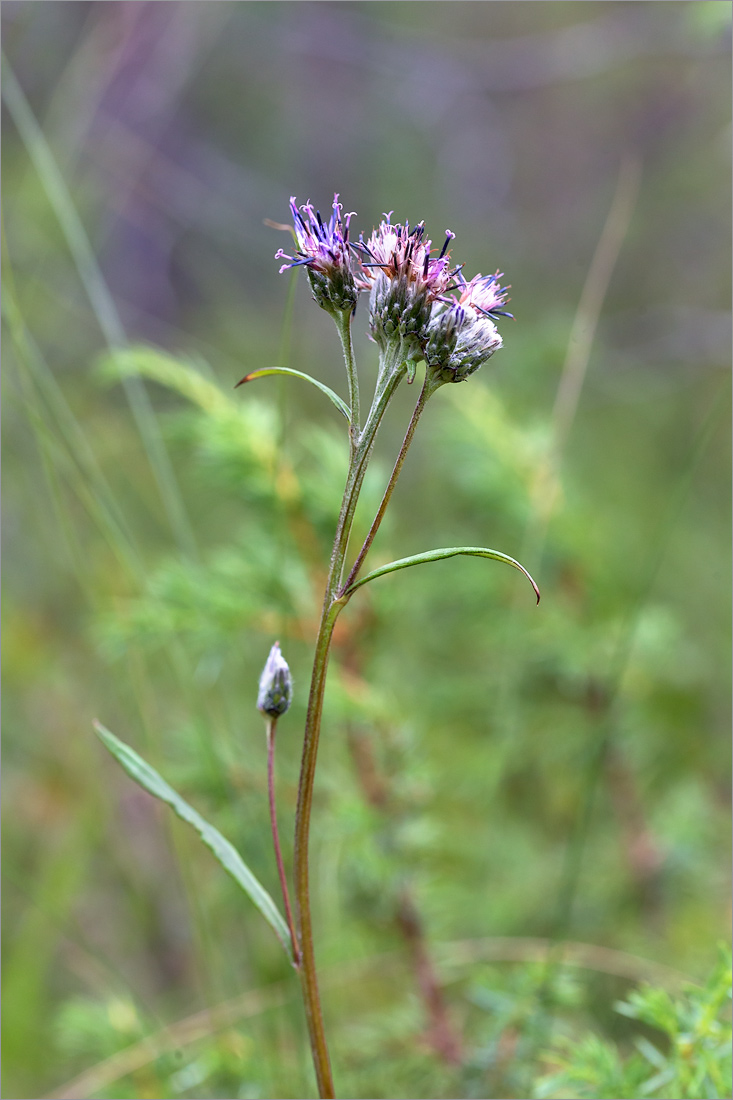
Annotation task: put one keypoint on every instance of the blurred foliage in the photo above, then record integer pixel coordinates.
(695, 1061)
(494, 778)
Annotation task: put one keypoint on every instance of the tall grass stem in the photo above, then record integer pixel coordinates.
(101, 301)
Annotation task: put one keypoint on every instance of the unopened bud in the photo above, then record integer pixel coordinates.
(276, 685)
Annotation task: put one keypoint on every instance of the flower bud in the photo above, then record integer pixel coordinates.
(276, 685)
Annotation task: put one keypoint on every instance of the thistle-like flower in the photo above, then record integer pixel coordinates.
(276, 685)
(323, 249)
(459, 340)
(404, 281)
(462, 335)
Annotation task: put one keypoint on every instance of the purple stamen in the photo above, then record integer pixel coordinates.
(448, 238)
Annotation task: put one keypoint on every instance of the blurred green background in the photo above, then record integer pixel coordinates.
(493, 777)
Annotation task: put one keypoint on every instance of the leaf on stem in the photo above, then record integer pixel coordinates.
(340, 405)
(225, 852)
(438, 555)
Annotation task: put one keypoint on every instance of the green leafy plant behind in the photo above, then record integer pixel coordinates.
(690, 1059)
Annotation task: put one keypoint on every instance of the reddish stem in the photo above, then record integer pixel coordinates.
(271, 727)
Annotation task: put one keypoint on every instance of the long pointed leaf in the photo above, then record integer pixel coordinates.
(225, 852)
(438, 555)
(340, 405)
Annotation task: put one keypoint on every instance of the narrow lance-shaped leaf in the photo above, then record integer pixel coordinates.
(438, 555)
(340, 405)
(225, 852)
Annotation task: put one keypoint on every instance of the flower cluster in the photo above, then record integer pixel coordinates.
(419, 303)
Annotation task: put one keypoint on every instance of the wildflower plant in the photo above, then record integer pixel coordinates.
(421, 309)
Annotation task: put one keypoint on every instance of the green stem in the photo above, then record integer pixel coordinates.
(425, 393)
(311, 996)
(390, 372)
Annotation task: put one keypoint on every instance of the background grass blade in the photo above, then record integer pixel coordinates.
(224, 851)
(101, 300)
(438, 555)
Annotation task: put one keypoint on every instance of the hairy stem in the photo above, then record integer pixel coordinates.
(343, 324)
(271, 727)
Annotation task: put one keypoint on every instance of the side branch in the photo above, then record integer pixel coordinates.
(421, 402)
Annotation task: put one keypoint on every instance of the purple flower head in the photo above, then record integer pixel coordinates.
(403, 278)
(484, 295)
(458, 344)
(462, 336)
(323, 249)
(401, 253)
(323, 246)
